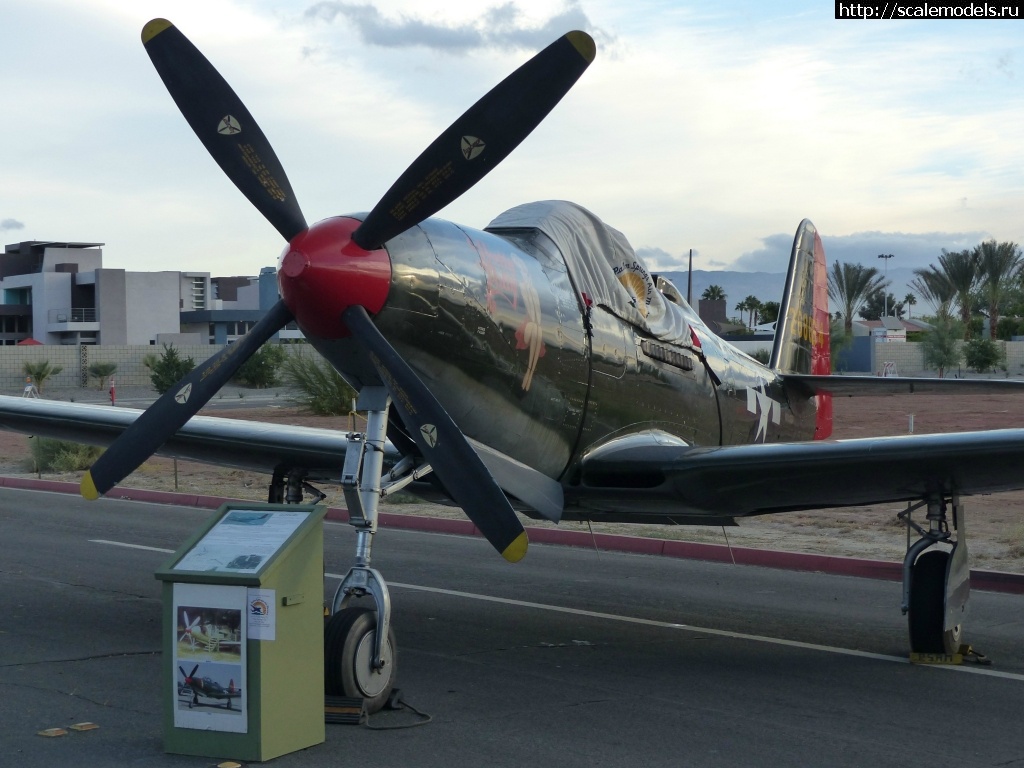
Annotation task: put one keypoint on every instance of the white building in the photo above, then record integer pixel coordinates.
(59, 293)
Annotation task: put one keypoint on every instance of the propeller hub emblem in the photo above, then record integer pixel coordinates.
(472, 147)
(183, 394)
(429, 432)
(228, 126)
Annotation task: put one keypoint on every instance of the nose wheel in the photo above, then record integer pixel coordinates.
(349, 642)
(360, 652)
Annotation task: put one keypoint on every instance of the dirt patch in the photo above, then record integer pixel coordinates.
(996, 522)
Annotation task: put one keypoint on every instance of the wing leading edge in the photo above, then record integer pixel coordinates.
(253, 445)
(250, 445)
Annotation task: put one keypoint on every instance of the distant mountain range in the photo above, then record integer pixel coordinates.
(768, 286)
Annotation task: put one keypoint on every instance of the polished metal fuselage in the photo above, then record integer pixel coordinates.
(501, 333)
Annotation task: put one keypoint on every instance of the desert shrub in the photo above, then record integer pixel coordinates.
(102, 371)
(263, 368)
(1014, 540)
(49, 455)
(321, 388)
(167, 369)
(40, 371)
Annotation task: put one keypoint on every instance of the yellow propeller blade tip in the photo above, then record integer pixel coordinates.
(88, 487)
(154, 28)
(584, 44)
(516, 551)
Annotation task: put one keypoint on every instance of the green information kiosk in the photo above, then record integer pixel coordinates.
(243, 634)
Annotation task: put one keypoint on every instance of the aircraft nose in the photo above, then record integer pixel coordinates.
(322, 272)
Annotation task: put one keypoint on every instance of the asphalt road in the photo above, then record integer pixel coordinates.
(569, 658)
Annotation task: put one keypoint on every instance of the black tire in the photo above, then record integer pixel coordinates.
(928, 605)
(348, 651)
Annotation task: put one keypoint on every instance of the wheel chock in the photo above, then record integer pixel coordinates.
(965, 653)
(345, 710)
(938, 659)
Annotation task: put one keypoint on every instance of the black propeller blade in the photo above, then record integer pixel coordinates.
(442, 442)
(176, 406)
(475, 143)
(224, 125)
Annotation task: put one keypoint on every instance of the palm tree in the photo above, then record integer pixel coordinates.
(849, 285)
(713, 293)
(961, 270)
(741, 308)
(998, 266)
(40, 371)
(910, 300)
(935, 288)
(754, 305)
(102, 371)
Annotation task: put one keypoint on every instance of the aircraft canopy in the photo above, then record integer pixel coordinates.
(603, 266)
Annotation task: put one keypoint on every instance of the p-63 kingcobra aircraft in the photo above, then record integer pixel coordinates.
(535, 365)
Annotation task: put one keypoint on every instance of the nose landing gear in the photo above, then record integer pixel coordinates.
(360, 652)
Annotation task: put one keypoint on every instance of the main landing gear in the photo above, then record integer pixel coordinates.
(936, 577)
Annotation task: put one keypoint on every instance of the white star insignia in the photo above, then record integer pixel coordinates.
(764, 407)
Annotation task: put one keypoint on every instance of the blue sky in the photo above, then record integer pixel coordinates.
(712, 126)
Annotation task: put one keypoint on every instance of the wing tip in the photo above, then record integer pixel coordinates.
(154, 28)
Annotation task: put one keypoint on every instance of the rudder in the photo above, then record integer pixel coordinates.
(802, 333)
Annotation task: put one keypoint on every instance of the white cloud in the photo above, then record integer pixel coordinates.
(697, 126)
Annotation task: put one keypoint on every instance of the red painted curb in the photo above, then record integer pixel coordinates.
(992, 581)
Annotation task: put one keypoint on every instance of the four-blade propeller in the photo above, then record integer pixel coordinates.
(462, 155)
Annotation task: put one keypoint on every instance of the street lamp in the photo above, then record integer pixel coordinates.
(885, 271)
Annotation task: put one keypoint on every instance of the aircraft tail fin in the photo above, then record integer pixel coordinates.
(802, 332)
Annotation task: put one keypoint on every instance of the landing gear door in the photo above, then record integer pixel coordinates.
(958, 580)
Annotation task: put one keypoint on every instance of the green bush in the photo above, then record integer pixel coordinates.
(983, 355)
(263, 368)
(762, 355)
(167, 369)
(321, 388)
(942, 346)
(49, 455)
(1008, 327)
